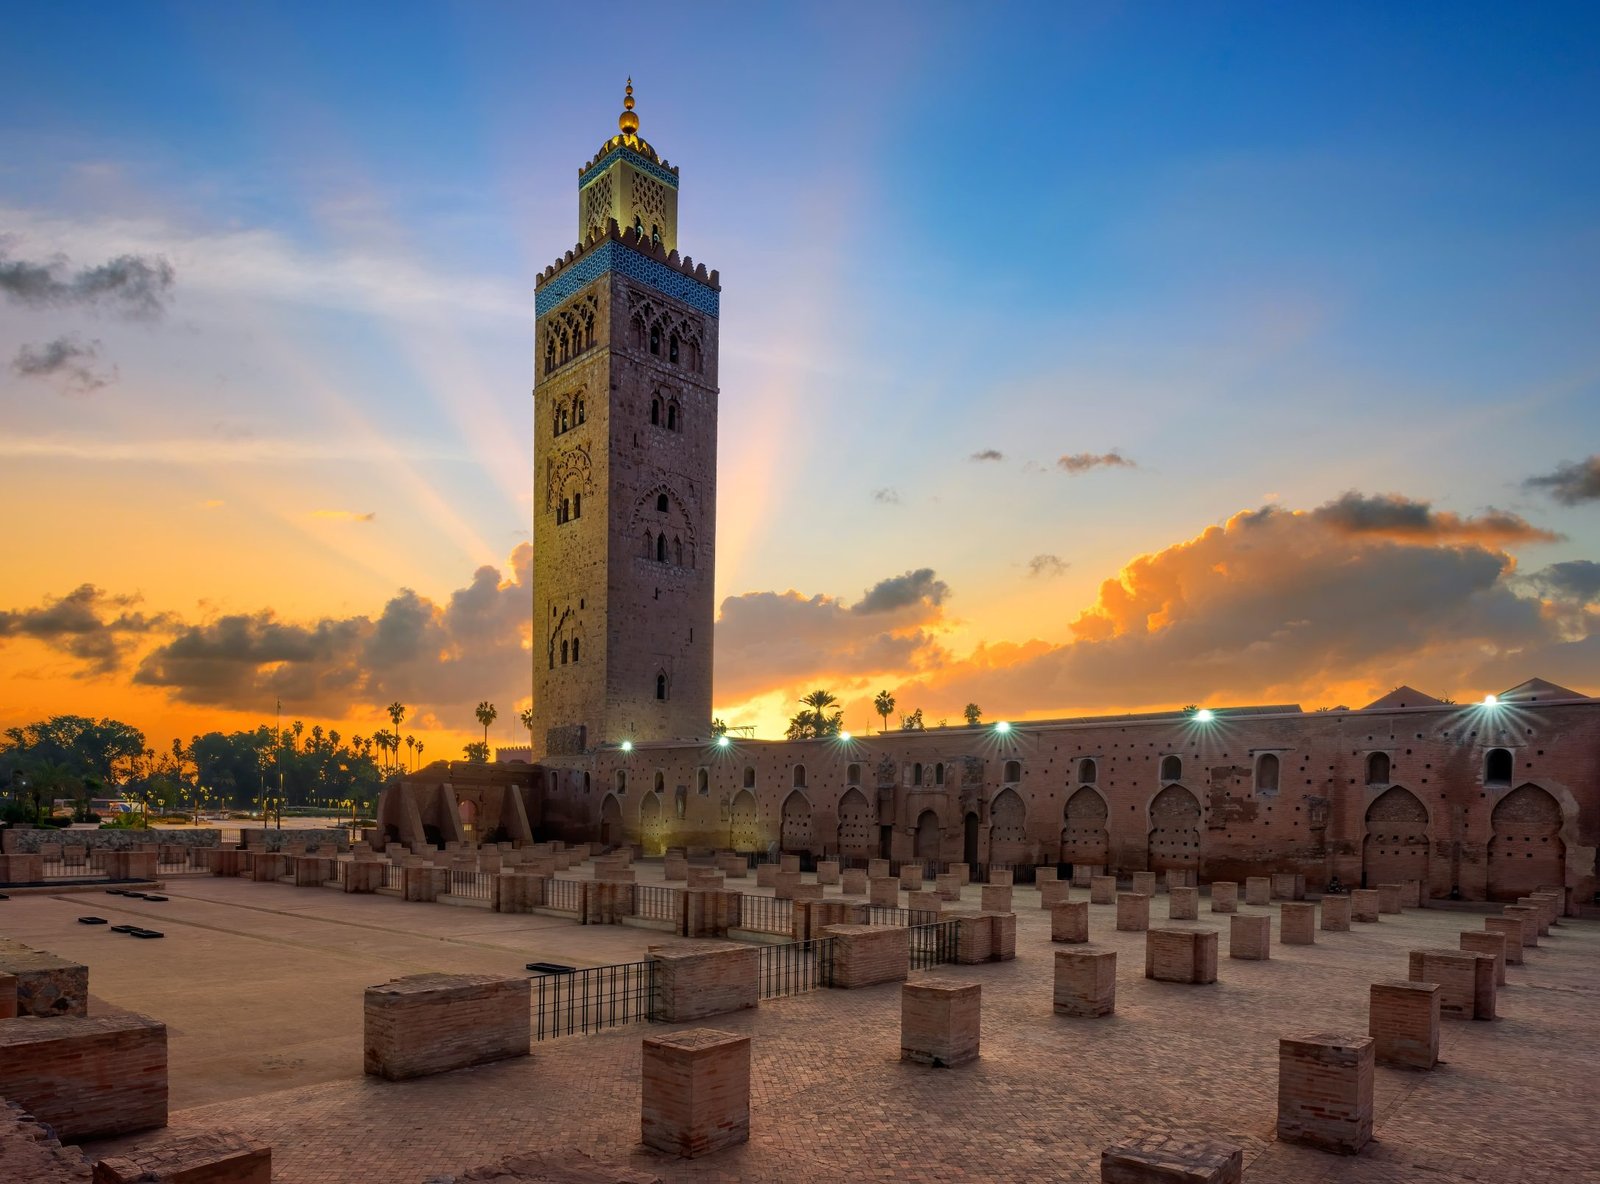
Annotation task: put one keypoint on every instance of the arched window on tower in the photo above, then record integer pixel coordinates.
(702, 781)
(655, 339)
(1497, 767)
(1378, 768)
(655, 235)
(938, 773)
(661, 503)
(655, 408)
(580, 410)
(672, 417)
(677, 550)
(749, 777)
(1267, 772)
(661, 686)
(1087, 771)
(916, 773)
(672, 348)
(565, 422)
(549, 354)
(1172, 768)
(563, 653)
(1012, 773)
(575, 642)
(638, 226)
(661, 548)
(577, 504)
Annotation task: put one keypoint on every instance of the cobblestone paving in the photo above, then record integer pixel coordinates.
(1514, 1102)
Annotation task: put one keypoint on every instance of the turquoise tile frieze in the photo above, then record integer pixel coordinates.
(614, 256)
(643, 163)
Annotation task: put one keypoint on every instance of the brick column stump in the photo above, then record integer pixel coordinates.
(1001, 875)
(1258, 891)
(1481, 941)
(1403, 1020)
(789, 863)
(1144, 883)
(8, 996)
(865, 955)
(88, 1078)
(1250, 938)
(1411, 894)
(939, 1022)
(1466, 979)
(962, 872)
(911, 876)
(1511, 929)
(204, 1157)
(1529, 919)
(1083, 875)
(784, 883)
(1181, 955)
(697, 979)
(1069, 921)
(828, 871)
(1288, 886)
(924, 902)
(695, 1095)
(1224, 896)
(1103, 890)
(1183, 904)
(996, 898)
(1541, 910)
(1086, 982)
(431, 1023)
(1133, 912)
(1336, 914)
(885, 893)
(948, 887)
(854, 882)
(1364, 906)
(1297, 923)
(1325, 1091)
(1172, 1158)
(878, 869)
(1389, 897)
(1054, 892)
(1045, 873)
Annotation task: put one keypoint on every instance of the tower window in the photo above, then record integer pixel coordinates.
(749, 777)
(672, 348)
(655, 404)
(661, 548)
(655, 339)
(703, 781)
(580, 410)
(1497, 767)
(655, 234)
(661, 686)
(638, 226)
(622, 781)
(563, 653)
(1267, 772)
(661, 503)
(677, 551)
(672, 413)
(575, 643)
(577, 505)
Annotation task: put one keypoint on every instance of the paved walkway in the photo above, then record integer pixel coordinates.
(277, 969)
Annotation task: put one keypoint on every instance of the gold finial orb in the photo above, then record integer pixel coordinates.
(628, 121)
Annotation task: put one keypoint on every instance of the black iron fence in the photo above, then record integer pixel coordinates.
(933, 945)
(795, 967)
(394, 876)
(592, 1000)
(652, 902)
(565, 895)
(468, 884)
(882, 914)
(766, 914)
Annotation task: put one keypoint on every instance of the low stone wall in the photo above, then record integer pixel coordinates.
(31, 1152)
(87, 1078)
(28, 842)
(201, 1157)
(321, 842)
(432, 1023)
(46, 985)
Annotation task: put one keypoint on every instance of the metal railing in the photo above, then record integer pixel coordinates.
(653, 902)
(463, 883)
(565, 895)
(394, 876)
(882, 914)
(933, 945)
(54, 869)
(766, 914)
(594, 999)
(795, 967)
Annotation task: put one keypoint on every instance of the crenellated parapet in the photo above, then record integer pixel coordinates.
(632, 254)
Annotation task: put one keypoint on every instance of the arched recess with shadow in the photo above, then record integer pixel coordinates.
(1008, 830)
(1174, 839)
(611, 830)
(1084, 841)
(652, 826)
(1527, 851)
(796, 833)
(858, 826)
(928, 836)
(744, 823)
(1395, 848)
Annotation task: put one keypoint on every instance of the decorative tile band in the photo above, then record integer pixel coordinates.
(613, 256)
(643, 163)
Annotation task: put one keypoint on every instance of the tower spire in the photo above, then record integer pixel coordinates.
(628, 121)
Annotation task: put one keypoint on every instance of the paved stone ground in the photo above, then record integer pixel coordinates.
(1514, 1103)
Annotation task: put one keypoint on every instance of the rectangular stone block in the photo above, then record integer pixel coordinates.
(1103, 890)
(1511, 929)
(1389, 898)
(828, 871)
(1250, 938)
(1004, 929)
(940, 1022)
(854, 882)
(674, 868)
(1083, 874)
(996, 898)
(8, 996)
(1467, 981)
(199, 1157)
(911, 876)
(1183, 904)
(698, 979)
(886, 893)
(46, 985)
(1181, 955)
(1181, 877)
(705, 877)
(962, 872)
(1085, 982)
(1224, 896)
(1172, 1158)
(878, 869)
(359, 875)
(1403, 1021)
(1000, 877)
(766, 875)
(1541, 910)
(695, 1092)
(1325, 1091)
(974, 938)
(1144, 883)
(784, 884)
(1069, 921)
(432, 1023)
(1288, 886)
(1529, 918)
(1411, 894)
(1336, 914)
(924, 902)
(1258, 891)
(1482, 941)
(865, 955)
(1133, 912)
(1364, 905)
(815, 892)
(427, 884)
(21, 869)
(87, 1078)
(1054, 892)
(1044, 874)
(313, 871)
(1297, 923)
(789, 863)
(948, 887)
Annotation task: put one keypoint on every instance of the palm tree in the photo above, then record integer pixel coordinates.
(486, 715)
(411, 743)
(527, 721)
(419, 752)
(815, 722)
(397, 712)
(884, 706)
(974, 713)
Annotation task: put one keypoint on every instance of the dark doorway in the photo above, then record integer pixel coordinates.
(969, 842)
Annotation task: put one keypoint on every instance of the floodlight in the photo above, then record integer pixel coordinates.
(1491, 700)
(627, 746)
(723, 741)
(844, 735)
(1204, 715)
(1002, 727)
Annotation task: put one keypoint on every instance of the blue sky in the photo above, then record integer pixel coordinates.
(1268, 254)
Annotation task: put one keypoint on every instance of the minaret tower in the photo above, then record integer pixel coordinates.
(625, 465)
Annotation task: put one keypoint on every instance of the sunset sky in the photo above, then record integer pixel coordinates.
(1075, 357)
